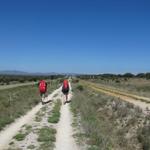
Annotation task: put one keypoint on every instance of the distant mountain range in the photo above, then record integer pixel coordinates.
(16, 72)
(13, 72)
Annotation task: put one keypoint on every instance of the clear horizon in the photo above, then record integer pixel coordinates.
(75, 36)
(135, 73)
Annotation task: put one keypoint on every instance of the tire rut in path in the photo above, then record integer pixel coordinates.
(11, 130)
(64, 137)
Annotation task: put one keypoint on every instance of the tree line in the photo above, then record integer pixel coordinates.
(7, 79)
(115, 76)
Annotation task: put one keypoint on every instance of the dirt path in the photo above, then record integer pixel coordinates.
(9, 132)
(138, 103)
(64, 138)
(142, 102)
(37, 119)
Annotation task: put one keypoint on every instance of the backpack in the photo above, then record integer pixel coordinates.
(65, 84)
(42, 86)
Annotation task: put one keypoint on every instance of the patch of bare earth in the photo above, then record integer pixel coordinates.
(22, 134)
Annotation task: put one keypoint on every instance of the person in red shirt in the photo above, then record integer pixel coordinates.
(42, 89)
(65, 90)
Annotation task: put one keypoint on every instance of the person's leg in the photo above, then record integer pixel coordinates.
(65, 92)
(42, 97)
(66, 96)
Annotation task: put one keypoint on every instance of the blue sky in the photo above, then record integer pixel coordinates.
(81, 36)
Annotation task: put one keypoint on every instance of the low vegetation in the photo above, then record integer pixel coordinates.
(115, 76)
(15, 102)
(54, 118)
(31, 147)
(22, 134)
(15, 79)
(80, 87)
(39, 116)
(109, 123)
(144, 137)
(46, 137)
(137, 84)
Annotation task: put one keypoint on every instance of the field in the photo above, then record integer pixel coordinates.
(108, 122)
(17, 79)
(102, 113)
(15, 102)
(139, 86)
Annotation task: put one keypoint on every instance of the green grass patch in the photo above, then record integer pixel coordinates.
(47, 146)
(80, 87)
(15, 102)
(47, 138)
(11, 143)
(31, 147)
(54, 118)
(20, 136)
(46, 134)
(39, 116)
(26, 129)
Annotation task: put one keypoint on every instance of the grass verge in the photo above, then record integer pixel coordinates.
(46, 137)
(17, 101)
(136, 86)
(108, 122)
(54, 118)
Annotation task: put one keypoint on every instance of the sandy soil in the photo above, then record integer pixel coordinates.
(65, 140)
(10, 131)
(36, 119)
(134, 99)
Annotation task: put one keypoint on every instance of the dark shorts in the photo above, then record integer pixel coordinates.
(65, 91)
(42, 93)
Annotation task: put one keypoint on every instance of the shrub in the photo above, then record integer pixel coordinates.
(144, 137)
(80, 88)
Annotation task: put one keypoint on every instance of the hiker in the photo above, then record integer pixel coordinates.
(65, 90)
(42, 89)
